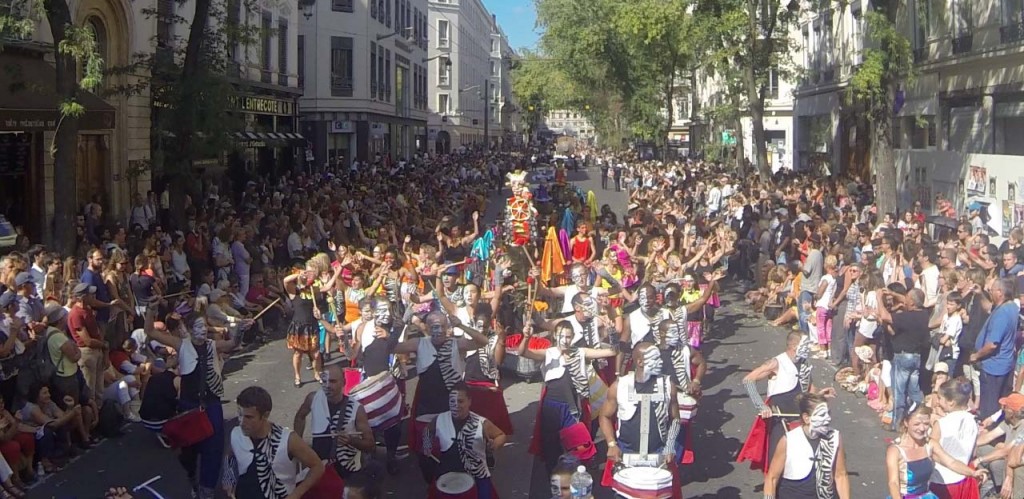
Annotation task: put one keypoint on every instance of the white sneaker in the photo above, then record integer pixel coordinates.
(132, 417)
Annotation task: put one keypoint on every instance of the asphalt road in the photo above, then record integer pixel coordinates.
(738, 343)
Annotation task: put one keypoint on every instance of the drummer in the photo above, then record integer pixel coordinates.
(482, 364)
(463, 439)
(439, 366)
(646, 390)
(341, 430)
(788, 375)
(686, 367)
(374, 335)
(565, 399)
(581, 284)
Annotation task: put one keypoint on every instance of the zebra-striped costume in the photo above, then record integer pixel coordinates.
(802, 460)
(275, 470)
(468, 442)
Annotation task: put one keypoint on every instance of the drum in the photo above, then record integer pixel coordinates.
(353, 377)
(687, 407)
(381, 399)
(456, 486)
(643, 483)
(522, 366)
(422, 436)
(772, 312)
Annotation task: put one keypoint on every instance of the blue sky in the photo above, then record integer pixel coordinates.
(517, 18)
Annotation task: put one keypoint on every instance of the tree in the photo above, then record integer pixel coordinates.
(75, 47)
(885, 65)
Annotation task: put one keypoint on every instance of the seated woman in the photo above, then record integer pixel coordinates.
(122, 389)
(18, 451)
(51, 425)
(792, 285)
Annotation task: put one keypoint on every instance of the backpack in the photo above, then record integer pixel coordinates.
(110, 420)
(38, 367)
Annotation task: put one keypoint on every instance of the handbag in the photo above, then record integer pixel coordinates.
(194, 425)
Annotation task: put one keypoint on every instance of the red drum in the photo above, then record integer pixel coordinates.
(643, 483)
(456, 486)
(687, 407)
(381, 399)
(522, 366)
(330, 485)
(353, 377)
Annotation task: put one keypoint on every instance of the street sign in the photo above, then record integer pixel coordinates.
(729, 137)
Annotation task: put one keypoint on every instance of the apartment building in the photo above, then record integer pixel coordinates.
(113, 138)
(958, 120)
(363, 70)
(570, 122)
(467, 72)
(506, 129)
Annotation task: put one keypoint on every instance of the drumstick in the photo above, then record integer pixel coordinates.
(176, 294)
(266, 308)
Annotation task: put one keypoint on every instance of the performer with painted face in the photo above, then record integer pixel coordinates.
(201, 386)
(462, 440)
(482, 364)
(341, 432)
(581, 284)
(686, 367)
(789, 376)
(440, 365)
(644, 404)
(809, 462)
(565, 398)
(374, 335)
(265, 456)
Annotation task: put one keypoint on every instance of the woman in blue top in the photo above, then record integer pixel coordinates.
(910, 459)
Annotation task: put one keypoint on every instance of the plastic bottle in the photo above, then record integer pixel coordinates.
(581, 483)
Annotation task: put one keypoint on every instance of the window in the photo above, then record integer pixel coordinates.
(380, 11)
(442, 33)
(494, 69)
(443, 103)
(341, 66)
(416, 35)
(387, 15)
(282, 51)
(1013, 12)
(816, 56)
(373, 9)
(99, 33)
(342, 6)
(963, 22)
(923, 21)
(302, 60)
(165, 25)
(265, 34)
(380, 72)
(494, 45)
(923, 136)
(857, 35)
(444, 73)
(387, 75)
(373, 71)
(771, 90)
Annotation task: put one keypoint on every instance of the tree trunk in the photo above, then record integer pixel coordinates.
(883, 159)
(65, 144)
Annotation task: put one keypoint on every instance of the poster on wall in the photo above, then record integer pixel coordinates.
(1007, 218)
(992, 187)
(1018, 214)
(1020, 192)
(977, 181)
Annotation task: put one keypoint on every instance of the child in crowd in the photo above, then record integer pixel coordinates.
(823, 315)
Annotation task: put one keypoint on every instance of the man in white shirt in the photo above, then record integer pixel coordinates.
(295, 242)
(141, 213)
(714, 199)
(929, 278)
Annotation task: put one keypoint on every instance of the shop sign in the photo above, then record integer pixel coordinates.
(340, 126)
(264, 105)
(377, 130)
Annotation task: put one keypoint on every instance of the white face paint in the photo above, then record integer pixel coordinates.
(644, 299)
(199, 329)
(382, 314)
(565, 339)
(652, 364)
(820, 421)
(580, 277)
(453, 403)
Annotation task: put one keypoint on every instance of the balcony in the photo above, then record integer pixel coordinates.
(963, 43)
(1011, 33)
(341, 86)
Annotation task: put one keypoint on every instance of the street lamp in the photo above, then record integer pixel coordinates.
(308, 6)
(447, 61)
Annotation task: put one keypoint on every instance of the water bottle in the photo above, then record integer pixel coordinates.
(581, 483)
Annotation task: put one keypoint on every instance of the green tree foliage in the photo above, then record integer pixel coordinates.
(888, 62)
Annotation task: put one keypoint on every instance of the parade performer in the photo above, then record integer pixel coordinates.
(304, 330)
(520, 214)
(440, 366)
(686, 306)
(581, 284)
(809, 460)
(644, 404)
(686, 367)
(374, 335)
(264, 456)
(788, 375)
(462, 439)
(565, 398)
(201, 386)
(482, 364)
(340, 430)
(581, 247)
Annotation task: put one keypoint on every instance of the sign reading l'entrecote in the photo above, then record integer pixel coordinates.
(265, 105)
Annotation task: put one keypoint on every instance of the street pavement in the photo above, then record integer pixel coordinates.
(738, 343)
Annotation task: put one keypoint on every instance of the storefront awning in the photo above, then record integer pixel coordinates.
(270, 137)
(29, 101)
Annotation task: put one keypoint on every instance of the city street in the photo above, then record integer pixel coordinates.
(739, 342)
